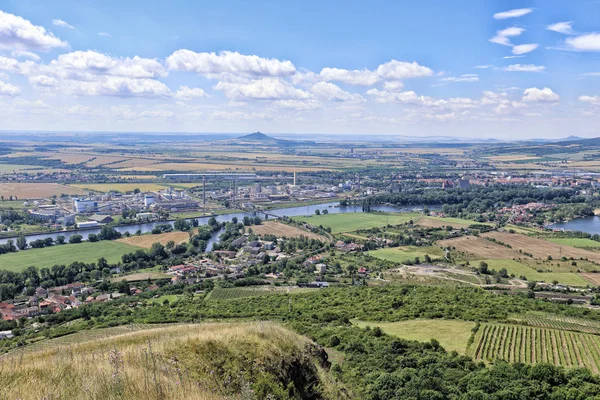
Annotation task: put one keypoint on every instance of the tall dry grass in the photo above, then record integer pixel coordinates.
(195, 362)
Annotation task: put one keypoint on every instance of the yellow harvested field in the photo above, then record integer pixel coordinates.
(133, 162)
(127, 187)
(101, 160)
(146, 241)
(438, 223)
(513, 157)
(480, 248)
(36, 190)
(593, 277)
(541, 248)
(282, 230)
(221, 167)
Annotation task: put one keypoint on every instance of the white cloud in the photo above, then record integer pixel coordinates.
(239, 116)
(502, 37)
(19, 34)
(62, 24)
(409, 97)
(104, 34)
(587, 42)
(562, 27)
(516, 13)
(43, 81)
(186, 92)
(524, 48)
(363, 77)
(331, 92)
(261, 89)
(511, 57)
(535, 95)
(525, 68)
(84, 65)
(595, 100)
(393, 86)
(6, 89)
(227, 62)
(398, 70)
(26, 54)
(117, 87)
(462, 78)
(483, 66)
(15, 66)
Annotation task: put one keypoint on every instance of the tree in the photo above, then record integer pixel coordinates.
(318, 212)
(21, 242)
(123, 287)
(483, 268)
(92, 237)
(75, 239)
(325, 211)
(266, 259)
(247, 221)
(60, 239)
(181, 224)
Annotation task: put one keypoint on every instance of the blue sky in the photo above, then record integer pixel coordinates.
(503, 69)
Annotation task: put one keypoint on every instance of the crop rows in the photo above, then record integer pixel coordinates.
(526, 344)
(563, 323)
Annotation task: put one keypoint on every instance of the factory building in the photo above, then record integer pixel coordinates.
(84, 206)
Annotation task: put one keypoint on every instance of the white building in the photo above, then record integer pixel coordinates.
(148, 200)
(82, 206)
(88, 224)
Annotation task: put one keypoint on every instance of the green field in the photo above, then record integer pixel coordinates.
(403, 253)
(459, 221)
(243, 292)
(160, 300)
(354, 221)
(65, 254)
(531, 345)
(452, 334)
(515, 267)
(575, 242)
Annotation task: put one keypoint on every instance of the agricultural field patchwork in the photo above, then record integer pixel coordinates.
(404, 253)
(521, 269)
(24, 191)
(147, 240)
(551, 321)
(282, 230)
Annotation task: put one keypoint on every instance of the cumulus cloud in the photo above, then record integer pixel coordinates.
(502, 37)
(19, 34)
(535, 95)
(104, 34)
(562, 27)
(363, 77)
(62, 24)
(157, 114)
(398, 70)
(309, 104)
(525, 68)
(331, 92)
(409, 97)
(6, 89)
(486, 66)
(228, 62)
(14, 66)
(186, 92)
(587, 42)
(261, 89)
(595, 100)
(524, 48)
(117, 87)
(516, 13)
(393, 86)
(43, 81)
(83, 65)
(26, 54)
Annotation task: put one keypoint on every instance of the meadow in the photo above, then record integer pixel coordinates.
(25, 191)
(453, 335)
(575, 242)
(353, 221)
(520, 269)
(282, 230)
(404, 253)
(65, 254)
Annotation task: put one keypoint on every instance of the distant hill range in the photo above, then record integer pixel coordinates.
(260, 139)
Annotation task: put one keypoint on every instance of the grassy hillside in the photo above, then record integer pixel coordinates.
(193, 361)
(65, 254)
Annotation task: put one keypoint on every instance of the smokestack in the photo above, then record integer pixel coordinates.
(294, 179)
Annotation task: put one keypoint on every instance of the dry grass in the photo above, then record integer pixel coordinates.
(541, 248)
(439, 223)
(593, 277)
(146, 241)
(36, 190)
(71, 158)
(282, 230)
(196, 361)
(480, 248)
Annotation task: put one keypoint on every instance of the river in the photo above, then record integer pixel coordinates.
(590, 225)
(332, 208)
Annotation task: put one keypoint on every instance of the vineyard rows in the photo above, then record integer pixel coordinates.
(525, 344)
(563, 323)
